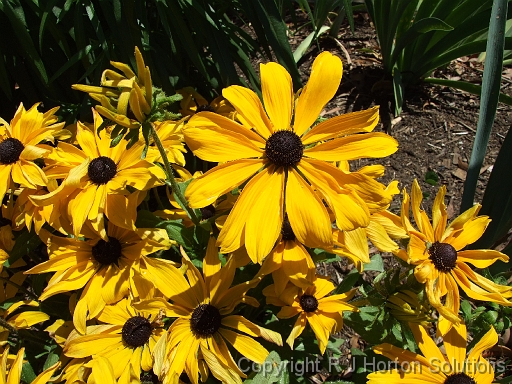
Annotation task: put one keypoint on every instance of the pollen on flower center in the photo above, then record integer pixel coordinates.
(308, 303)
(107, 252)
(443, 255)
(101, 170)
(286, 229)
(207, 212)
(284, 148)
(205, 320)
(10, 150)
(136, 331)
(459, 378)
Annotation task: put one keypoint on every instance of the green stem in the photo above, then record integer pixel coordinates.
(170, 177)
(8, 326)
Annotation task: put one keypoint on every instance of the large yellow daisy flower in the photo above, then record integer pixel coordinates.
(286, 163)
(98, 179)
(107, 269)
(441, 263)
(433, 366)
(126, 338)
(19, 147)
(203, 304)
(313, 305)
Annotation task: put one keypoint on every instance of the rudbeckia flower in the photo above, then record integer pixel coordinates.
(433, 366)
(126, 338)
(19, 147)
(120, 91)
(313, 306)
(107, 269)
(97, 179)
(13, 374)
(437, 251)
(285, 162)
(202, 304)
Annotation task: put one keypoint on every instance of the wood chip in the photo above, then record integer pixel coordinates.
(459, 174)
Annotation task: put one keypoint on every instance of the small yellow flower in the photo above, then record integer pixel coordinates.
(193, 103)
(408, 307)
(314, 306)
(437, 251)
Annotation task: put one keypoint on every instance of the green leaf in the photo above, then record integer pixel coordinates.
(348, 281)
(491, 84)
(376, 264)
(431, 178)
(398, 91)
(306, 43)
(25, 243)
(27, 373)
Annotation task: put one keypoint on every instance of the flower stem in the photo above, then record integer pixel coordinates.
(170, 177)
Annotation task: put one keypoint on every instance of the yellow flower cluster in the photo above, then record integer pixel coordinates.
(141, 306)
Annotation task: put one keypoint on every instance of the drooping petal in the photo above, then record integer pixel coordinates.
(455, 345)
(470, 233)
(298, 328)
(420, 216)
(322, 85)
(249, 108)
(427, 346)
(241, 324)
(207, 188)
(308, 216)
(277, 92)
(346, 124)
(439, 215)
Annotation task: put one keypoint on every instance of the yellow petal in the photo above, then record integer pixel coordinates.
(207, 188)
(247, 346)
(213, 143)
(349, 123)
(470, 233)
(379, 237)
(481, 258)
(241, 324)
(455, 345)
(323, 83)
(364, 145)
(298, 328)
(427, 346)
(308, 216)
(439, 215)
(277, 92)
(249, 108)
(256, 217)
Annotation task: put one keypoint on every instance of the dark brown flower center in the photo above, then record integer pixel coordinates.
(443, 255)
(107, 252)
(205, 320)
(207, 212)
(148, 377)
(136, 331)
(308, 303)
(459, 378)
(101, 170)
(10, 150)
(284, 148)
(286, 229)
(205, 108)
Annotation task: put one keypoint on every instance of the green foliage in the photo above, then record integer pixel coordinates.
(416, 37)
(48, 45)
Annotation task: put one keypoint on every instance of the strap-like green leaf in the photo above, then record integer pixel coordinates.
(489, 101)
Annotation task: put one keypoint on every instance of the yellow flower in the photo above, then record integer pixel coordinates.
(433, 366)
(97, 180)
(107, 269)
(118, 92)
(313, 305)
(203, 304)
(13, 375)
(193, 103)
(19, 147)
(285, 163)
(441, 263)
(126, 338)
